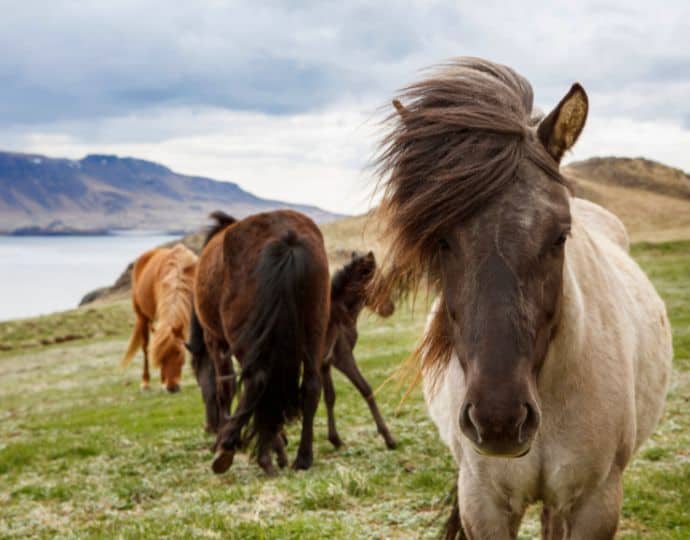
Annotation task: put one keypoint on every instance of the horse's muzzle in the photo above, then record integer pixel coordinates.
(496, 431)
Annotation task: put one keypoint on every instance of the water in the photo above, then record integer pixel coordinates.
(40, 275)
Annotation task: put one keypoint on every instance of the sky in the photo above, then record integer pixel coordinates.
(284, 98)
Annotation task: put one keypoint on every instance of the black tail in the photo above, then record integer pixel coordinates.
(203, 367)
(274, 342)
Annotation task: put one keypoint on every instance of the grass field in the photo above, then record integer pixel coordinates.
(85, 454)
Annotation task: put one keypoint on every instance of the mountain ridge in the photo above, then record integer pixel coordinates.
(103, 191)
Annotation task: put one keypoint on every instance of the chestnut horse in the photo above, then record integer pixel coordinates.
(349, 295)
(262, 295)
(162, 281)
(548, 352)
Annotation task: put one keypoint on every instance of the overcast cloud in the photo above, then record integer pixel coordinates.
(282, 98)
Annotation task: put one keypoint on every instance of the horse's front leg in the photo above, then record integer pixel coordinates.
(483, 512)
(596, 515)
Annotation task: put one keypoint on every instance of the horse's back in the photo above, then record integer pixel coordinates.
(652, 354)
(637, 318)
(149, 269)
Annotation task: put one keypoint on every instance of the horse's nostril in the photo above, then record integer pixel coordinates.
(469, 424)
(528, 424)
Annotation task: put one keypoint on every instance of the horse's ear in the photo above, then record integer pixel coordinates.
(561, 128)
(402, 111)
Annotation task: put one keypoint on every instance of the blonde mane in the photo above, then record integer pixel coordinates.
(174, 303)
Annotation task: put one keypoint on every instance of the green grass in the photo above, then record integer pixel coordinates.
(85, 454)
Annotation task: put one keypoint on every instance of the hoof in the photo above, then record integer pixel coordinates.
(336, 441)
(270, 470)
(391, 443)
(222, 461)
(302, 464)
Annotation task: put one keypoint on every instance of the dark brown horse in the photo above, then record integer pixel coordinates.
(261, 295)
(348, 298)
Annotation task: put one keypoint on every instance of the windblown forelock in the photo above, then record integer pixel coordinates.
(456, 145)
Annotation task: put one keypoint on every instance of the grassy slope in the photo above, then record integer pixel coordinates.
(83, 453)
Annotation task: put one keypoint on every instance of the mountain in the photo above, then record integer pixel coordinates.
(101, 192)
(652, 199)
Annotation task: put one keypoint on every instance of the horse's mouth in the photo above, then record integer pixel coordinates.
(487, 453)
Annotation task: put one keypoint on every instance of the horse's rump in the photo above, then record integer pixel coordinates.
(274, 338)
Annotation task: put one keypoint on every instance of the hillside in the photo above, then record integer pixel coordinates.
(652, 199)
(103, 192)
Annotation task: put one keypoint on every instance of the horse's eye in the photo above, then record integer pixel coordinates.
(443, 244)
(560, 241)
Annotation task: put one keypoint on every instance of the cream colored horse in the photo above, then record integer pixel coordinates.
(547, 357)
(602, 389)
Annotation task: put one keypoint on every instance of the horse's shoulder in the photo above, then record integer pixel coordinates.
(597, 218)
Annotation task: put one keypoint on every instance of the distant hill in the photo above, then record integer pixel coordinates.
(103, 192)
(652, 199)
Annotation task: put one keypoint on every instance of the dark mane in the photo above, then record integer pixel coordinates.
(455, 143)
(345, 275)
(349, 283)
(222, 220)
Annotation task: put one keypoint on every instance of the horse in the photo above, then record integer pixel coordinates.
(349, 295)
(546, 359)
(262, 295)
(162, 280)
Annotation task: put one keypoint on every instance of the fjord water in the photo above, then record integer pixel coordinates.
(41, 275)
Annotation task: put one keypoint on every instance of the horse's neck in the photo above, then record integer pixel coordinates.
(567, 349)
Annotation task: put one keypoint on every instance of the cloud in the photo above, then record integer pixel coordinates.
(308, 157)
(274, 95)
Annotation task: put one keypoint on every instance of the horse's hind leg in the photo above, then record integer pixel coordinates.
(225, 379)
(329, 398)
(230, 435)
(311, 392)
(142, 326)
(344, 360)
(279, 448)
(264, 446)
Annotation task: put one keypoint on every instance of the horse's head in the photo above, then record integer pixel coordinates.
(350, 285)
(366, 268)
(475, 202)
(168, 353)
